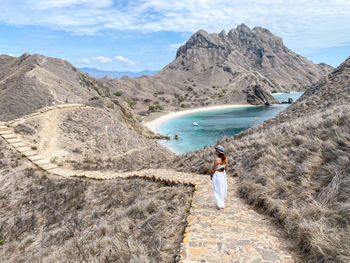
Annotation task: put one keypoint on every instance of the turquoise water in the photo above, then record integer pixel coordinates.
(214, 125)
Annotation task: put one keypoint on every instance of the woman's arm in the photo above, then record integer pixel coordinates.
(226, 166)
(214, 168)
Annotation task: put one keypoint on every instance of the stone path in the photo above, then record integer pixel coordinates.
(236, 234)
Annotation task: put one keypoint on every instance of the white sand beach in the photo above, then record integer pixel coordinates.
(154, 124)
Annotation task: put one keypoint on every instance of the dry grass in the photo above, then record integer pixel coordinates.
(296, 168)
(47, 219)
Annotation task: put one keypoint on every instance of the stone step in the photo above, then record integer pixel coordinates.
(3, 132)
(15, 140)
(64, 173)
(19, 144)
(48, 166)
(4, 128)
(42, 162)
(35, 158)
(23, 149)
(9, 136)
(30, 153)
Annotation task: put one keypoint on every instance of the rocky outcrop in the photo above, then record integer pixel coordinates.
(256, 95)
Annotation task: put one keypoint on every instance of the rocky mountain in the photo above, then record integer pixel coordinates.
(295, 166)
(242, 57)
(226, 68)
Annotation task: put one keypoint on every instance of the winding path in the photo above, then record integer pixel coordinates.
(235, 234)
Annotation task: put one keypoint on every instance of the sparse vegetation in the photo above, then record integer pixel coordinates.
(20, 156)
(34, 147)
(118, 93)
(182, 105)
(53, 159)
(274, 91)
(131, 102)
(153, 108)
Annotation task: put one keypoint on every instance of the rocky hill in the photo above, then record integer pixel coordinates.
(295, 166)
(105, 134)
(30, 82)
(243, 66)
(240, 58)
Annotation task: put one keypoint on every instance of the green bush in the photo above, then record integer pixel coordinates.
(118, 93)
(190, 88)
(182, 105)
(274, 91)
(155, 108)
(34, 147)
(131, 102)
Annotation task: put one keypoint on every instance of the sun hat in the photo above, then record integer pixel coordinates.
(219, 149)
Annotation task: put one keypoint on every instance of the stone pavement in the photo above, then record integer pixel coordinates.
(236, 234)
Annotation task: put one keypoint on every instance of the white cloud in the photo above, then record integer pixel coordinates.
(124, 61)
(302, 24)
(97, 60)
(85, 60)
(102, 59)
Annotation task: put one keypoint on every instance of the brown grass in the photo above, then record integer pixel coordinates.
(46, 219)
(295, 167)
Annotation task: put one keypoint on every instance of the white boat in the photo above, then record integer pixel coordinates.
(195, 124)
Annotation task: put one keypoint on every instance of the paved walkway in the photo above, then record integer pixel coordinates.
(235, 234)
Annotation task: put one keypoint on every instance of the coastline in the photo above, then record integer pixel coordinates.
(154, 124)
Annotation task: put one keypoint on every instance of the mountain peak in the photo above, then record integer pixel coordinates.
(243, 27)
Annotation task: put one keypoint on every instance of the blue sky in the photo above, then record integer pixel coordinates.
(137, 35)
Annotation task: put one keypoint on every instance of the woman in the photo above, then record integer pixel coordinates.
(218, 177)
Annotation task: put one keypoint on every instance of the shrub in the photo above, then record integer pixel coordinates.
(118, 93)
(34, 147)
(274, 91)
(182, 105)
(190, 88)
(131, 102)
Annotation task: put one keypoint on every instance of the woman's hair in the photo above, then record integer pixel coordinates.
(222, 156)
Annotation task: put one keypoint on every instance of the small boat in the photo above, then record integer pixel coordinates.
(195, 124)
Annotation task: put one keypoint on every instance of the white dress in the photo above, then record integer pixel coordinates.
(220, 186)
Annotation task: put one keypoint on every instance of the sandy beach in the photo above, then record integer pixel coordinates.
(154, 124)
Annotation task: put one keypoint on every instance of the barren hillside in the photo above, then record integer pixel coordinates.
(50, 219)
(296, 167)
(106, 134)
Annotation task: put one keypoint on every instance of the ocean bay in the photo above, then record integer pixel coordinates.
(216, 124)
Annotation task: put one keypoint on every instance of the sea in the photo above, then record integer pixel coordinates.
(217, 124)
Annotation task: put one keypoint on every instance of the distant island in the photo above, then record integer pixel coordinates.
(98, 73)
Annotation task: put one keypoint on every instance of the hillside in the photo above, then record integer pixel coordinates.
(103, 135)
(30, 82)
(243, 66)
(295, 167)
(45, 218)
